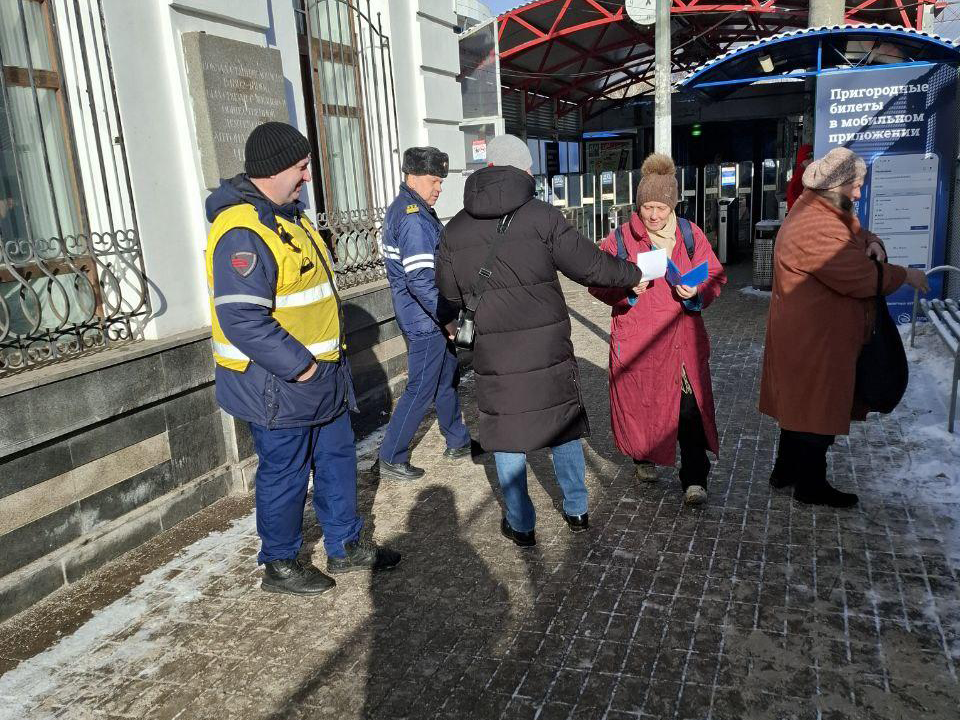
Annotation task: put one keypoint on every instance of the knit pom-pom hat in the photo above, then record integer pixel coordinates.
(658, 181)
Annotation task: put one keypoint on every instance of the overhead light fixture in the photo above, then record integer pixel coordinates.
(766, 62)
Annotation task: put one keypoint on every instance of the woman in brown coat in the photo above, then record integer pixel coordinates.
(821, 312)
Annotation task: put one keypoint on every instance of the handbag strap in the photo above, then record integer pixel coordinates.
(485, 272)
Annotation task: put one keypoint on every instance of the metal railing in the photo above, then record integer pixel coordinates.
(71, 269)
(67, 296)
(354, 237)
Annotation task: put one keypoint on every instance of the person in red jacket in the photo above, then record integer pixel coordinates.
(795, 187)
(660, 390)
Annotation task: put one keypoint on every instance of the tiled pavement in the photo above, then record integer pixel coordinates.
(751, 607)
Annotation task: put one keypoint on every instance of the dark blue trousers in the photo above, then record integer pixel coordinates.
(432, 376)
(287, 456)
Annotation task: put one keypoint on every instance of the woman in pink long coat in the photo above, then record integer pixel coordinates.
(660, 390)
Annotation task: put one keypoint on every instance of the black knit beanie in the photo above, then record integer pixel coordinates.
(273, 147)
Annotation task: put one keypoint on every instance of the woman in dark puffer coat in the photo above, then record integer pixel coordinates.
(528, 383)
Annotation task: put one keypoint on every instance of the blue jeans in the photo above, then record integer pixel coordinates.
(286, 458)
(432, 370)
(570, 468)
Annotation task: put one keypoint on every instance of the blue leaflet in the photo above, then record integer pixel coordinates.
(690, 279)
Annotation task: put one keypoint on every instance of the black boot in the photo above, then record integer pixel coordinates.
(812, 487)
(400, 471)
(785, 468)
(471, 449)
(781, 477)
(823, 493)
(363, 556)
(523, 539)
(293, 577)
(578, 523)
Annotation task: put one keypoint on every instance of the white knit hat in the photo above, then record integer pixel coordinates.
(509, 150)
(838, 167)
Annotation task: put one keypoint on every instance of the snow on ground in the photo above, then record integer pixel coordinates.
(93, 649)
(931, 466)
(101, 644)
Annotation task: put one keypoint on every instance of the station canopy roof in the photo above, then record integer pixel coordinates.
(795, 55)
(581, 52)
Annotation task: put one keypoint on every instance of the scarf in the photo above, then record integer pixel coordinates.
(666, 237)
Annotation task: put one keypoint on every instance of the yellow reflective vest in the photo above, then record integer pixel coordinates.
(306, 304)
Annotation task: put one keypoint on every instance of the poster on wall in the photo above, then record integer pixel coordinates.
(902, 122)
(609, 155)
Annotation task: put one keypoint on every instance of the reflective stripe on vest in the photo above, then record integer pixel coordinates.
(232, 352)
(305, 297)
(305, 304)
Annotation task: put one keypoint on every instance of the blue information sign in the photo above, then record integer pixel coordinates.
(902, 122)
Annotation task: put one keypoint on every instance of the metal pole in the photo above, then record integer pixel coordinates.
(825, 12)
(662, 117)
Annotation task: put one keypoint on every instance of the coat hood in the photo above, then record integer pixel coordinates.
(238, 190)
(495, 191)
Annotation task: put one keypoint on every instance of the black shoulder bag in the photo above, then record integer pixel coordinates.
(465, 328)
(882, 371)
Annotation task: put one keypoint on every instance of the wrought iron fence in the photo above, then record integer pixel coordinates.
(355, 239)
(71, 268)
(66, 296)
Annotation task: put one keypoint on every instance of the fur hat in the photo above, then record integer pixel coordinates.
(838, 167)
(658, 181)
(425, 161)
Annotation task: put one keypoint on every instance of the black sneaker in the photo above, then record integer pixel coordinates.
(578, 523)
(822, 493)
(293, 577)
(400, 471)
(523, 539)
(363, 556)
(471, 449)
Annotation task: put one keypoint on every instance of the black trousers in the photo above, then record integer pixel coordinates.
(802, 457)
(694, 464)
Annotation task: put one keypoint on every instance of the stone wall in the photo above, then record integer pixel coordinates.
(102, 453)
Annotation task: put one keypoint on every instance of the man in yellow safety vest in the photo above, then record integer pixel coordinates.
(278, 343)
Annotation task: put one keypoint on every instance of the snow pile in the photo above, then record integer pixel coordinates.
(930, 469)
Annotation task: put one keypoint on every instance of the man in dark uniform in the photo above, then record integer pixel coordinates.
(278, 344)
(411, 234)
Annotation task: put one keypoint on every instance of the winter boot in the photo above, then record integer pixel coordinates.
(823, 493)
(363, 556)
(645, 471)
(294, 578)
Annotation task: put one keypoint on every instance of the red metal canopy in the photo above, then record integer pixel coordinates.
(584, 51)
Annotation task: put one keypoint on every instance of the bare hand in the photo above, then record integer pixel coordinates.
(875, 251)
(642, 287)
(308, 373)
(451, 328)
(917, 279)
(685, 291)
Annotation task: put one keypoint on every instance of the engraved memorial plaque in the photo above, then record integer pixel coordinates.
(234, 87)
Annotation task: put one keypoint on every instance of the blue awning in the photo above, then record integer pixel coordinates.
(800, 54)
